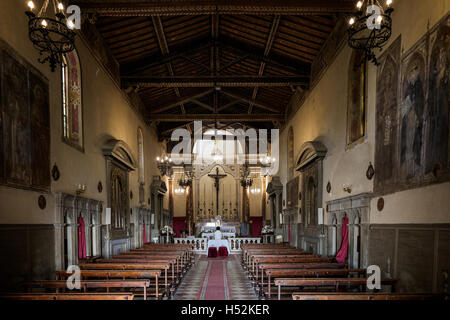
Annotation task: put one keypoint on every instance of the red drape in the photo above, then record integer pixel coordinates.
(342, 254)
(179, 224)
(256, 226)
(81, 238)
(144, 240)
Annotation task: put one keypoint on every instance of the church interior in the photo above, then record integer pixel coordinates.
(224, 150)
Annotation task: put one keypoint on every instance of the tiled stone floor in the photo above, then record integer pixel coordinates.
(237, 286)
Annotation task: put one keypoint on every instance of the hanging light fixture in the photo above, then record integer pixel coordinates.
(165, 165)
(246, 179)
(371, 27)
(52, 36)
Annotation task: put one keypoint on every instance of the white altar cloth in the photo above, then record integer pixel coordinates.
(224, 234)
(218, 244)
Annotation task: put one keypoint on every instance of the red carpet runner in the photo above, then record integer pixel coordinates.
(215, 283)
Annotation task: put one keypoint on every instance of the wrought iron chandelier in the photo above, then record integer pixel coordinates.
(165, 165)
(186, 181)
(371, 27)
(51, 36)
(246, 179)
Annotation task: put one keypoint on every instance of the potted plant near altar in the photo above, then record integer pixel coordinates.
(167, 229)
(167, 233)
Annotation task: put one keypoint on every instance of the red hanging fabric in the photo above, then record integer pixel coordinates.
(342, 254)
(81, 238)
(144, 240)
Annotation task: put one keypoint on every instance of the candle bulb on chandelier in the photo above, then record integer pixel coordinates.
(30, 5)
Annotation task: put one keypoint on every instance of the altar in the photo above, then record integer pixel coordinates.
(227, 231)
(219, 243)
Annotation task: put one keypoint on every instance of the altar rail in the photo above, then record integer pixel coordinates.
(202, 243)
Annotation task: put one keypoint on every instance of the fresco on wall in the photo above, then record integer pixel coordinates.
(412, 115)
(412, 136)
(437, 156)
(25, 125)
(386, 116)
(40, 132)
(356, 108)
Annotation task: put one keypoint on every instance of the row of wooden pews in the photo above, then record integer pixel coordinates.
(154, 270)
(288, 268)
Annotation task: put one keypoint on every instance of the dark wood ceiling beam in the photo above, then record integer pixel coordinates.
(241, 49)
(159, 30)
(160, 59)
(200, 7)
(258, 104)
(195, 62)
(269, 43)
(170, 117)
(230, 104)
(219, 81)
(203, 105)
(181, 100)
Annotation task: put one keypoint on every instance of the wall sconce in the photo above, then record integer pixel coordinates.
(347, 188)
(255, 191)
(81, 188)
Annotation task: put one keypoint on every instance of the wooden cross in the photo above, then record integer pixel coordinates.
(217, 178)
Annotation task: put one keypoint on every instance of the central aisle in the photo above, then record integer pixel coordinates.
(216, 279)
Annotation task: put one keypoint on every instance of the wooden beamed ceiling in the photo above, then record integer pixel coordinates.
(229, 63)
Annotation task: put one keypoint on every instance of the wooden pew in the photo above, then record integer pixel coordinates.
(88, 284)
(311, 273)
(130, 266)
(308, 265)
(67, 296)
(141, 258)
(328, 282)
(111, 274)
(367, 296)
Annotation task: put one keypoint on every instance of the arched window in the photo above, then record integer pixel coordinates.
(140, 139)
(290, 148)
(356, 105)
(72, 110)
(141, 165)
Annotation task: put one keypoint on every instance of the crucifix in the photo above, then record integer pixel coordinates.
(217, 178)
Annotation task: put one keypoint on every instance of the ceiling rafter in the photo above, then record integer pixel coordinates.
(269, 43)
(159, 30)
(239, 48)
(199, 7)
(181, 100)
(170, 117)
(258, 104)
(215, 81)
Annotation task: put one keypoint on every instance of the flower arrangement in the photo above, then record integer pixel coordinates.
(267, 230)
(166, 229)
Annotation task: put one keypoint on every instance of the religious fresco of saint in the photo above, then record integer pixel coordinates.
(25, 129)
(437, 157)
(356, 109)
(386, 117)
(412, 116)
(412, 122)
